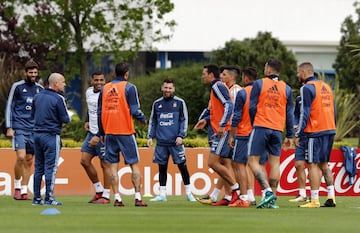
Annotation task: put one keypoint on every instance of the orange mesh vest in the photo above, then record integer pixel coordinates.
(322, 109)
(216, 112)
(244, 128)
(271, 107)
(115, 113)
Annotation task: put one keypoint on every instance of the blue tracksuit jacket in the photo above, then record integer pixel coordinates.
(168, 120)
(19, 105)
(50, 112)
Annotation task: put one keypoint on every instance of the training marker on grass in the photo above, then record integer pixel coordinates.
(50, 211)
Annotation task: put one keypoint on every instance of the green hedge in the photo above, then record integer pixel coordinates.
(69, 143)
(188, 142)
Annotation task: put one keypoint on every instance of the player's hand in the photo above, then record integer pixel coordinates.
(94, 141)
(231, 142)
(149, 142)
(86, 126)
(221, 132)
(287, 144)
(297, 142)
(200, 124)
(10, 133)
(143, 123)
(179, 141)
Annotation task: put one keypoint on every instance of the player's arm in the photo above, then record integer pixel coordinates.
(254, 97)
(152, 125)
(134, 104)
(289, 113)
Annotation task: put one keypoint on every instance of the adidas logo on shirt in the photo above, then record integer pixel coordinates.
(24, 90)
(324, 89)
(273, 89)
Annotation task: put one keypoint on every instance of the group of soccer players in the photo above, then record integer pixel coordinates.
(245, 128)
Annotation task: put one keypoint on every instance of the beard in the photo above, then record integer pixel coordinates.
(30, 79)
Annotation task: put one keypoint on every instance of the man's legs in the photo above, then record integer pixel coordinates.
(214, 162)
(213, 196)
(112, 169)
(259, 173)
(162, 182)
(250, 185)
(242, 180)
(261, 176)
(22, 171)
(274, 162)
(136, 180)
(315, 179)
(86, 163)
(186, 179)
(105, 197)
(301, 179)
(329, 179)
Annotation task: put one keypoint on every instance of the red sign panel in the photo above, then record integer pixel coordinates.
(72, 179)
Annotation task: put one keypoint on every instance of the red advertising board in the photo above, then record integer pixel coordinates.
(72, 180)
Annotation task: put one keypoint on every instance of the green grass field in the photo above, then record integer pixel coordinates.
(177, 215)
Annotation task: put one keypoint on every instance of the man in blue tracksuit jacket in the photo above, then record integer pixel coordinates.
(168, 124)
(50, 112)
(20, 124)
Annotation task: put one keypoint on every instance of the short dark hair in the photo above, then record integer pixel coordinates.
(121, 68)
(31, 64)
(96, 72)
(234, 69)
(274, 64)
(251, 73)
(168, 80)
(213, 68)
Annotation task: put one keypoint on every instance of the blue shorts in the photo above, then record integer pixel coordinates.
(264, 141)
(301, 151)
(162, 154)
(23, 140)
(319, 149)
(98, 150)
(219, 146)
(240, 153)
(114, 144)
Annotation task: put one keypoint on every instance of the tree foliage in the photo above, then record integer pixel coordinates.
(15, 50)
(119, 27)
(347, 63)
(255, 52)
(188, 85)
(15, 46)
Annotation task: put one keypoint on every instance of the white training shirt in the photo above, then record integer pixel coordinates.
(92, 104)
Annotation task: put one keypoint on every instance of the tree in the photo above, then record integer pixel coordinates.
(14, 52)
(119, 27)
(13, 46)
(255, 52)
(347, 63)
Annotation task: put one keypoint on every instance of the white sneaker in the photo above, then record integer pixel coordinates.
(159, 198)
(298, 198)
(190, 197)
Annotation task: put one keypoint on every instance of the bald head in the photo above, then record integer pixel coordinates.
(57, 82)
(304, 71)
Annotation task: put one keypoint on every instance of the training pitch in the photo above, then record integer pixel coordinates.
(176, 215)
